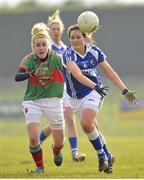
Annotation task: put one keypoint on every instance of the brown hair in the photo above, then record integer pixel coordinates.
(87, 37)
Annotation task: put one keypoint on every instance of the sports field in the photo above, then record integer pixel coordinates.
(15, 158)
(124, 135)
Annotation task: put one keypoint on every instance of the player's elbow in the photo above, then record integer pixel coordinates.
(16, 78)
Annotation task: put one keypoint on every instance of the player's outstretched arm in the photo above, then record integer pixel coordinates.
(22, 75)
(113, 76)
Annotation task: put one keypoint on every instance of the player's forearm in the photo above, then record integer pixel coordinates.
(117, 81)
(84, 80)
(21, 76)
(76, 72)
(112, 75)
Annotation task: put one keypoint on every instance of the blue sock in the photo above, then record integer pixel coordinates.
(105, 148)
(107, 151)
(95, 139)
(73, 145)
(42, 137)
(98, 147)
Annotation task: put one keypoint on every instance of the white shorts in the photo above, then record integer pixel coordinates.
(93, 101)
(52, 108)
(66, 98)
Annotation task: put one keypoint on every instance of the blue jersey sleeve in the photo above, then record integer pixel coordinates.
(69, 55)
(101, 55)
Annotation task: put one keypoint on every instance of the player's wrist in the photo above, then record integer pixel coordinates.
(30, 74)
(125, 91)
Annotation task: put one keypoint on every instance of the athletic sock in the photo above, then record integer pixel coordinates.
(105, 146)
(42, 136)
(56, 150)
(37, 155)
(107, 152)
(73, 144)
(96, 142)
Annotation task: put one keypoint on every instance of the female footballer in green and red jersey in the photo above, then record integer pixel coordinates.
(43, 96)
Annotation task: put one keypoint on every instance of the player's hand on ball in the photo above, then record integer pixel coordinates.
(101, 90)
(130, 96)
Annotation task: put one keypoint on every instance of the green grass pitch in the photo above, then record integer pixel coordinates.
(15, 157)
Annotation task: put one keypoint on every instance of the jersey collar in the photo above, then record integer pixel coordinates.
(87, 50)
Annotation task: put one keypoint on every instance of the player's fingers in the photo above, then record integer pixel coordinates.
(106, 88)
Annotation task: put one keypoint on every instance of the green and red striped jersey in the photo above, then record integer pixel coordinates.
(48, 81)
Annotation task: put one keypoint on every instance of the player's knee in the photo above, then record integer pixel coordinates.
(86, 126)
(34, 141)
(47, 131)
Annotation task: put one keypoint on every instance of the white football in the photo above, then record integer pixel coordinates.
(88, 21)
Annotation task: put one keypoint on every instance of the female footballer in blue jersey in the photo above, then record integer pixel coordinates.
(56, 27)
(86, 91)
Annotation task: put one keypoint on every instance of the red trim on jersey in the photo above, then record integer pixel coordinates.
(23, 67)
(34, 80)
(57, 76)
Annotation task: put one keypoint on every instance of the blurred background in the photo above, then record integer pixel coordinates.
(120, 37)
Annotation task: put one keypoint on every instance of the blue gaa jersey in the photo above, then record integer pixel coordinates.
(87, 64)
(61, 50)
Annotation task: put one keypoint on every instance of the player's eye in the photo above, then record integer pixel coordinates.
(78, 37)
(37, 44)
(72, 38)
(44, 44)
